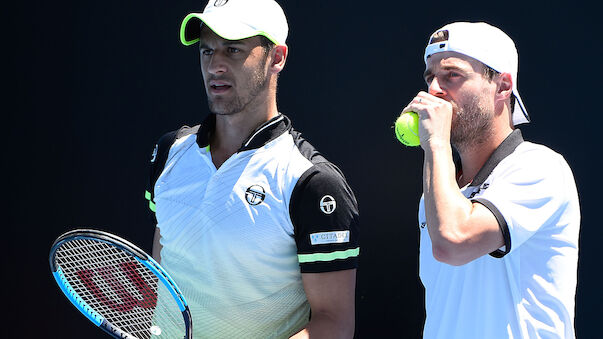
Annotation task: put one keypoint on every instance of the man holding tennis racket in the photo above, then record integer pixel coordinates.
(257, 228)
(499, 233)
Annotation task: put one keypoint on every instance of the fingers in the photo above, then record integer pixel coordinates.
(420, 103)
(425, 103)
(435, 116)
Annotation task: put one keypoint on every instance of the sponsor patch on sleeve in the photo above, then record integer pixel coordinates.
(335, 237)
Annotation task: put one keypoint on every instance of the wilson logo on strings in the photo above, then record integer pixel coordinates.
(120, 298)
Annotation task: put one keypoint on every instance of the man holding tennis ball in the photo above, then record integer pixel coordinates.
(499, 231)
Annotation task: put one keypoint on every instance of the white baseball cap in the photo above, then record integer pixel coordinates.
(236, 20)
(485, 43)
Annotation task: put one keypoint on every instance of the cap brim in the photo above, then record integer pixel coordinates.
(190, 29)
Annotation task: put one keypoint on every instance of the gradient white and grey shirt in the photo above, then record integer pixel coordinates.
(236, 239)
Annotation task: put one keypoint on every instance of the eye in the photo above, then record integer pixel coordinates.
(207, 51)
(452, 74)
(233, 50)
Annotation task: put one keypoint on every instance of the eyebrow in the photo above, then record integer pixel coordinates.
(203, 44)
(429, 72)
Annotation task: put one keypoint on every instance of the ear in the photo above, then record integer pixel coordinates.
(505, 87)
(279, 57)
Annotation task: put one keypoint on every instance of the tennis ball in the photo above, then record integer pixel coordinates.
(407, 129)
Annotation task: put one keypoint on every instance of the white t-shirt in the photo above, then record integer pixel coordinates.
(527, 288)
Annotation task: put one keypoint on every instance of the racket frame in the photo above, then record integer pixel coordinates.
(139, 255)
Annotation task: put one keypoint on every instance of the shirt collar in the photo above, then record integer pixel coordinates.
(503, 150)
(262, 135)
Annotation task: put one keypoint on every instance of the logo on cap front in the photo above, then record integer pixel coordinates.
(219, 3)
(328, 204)
(255, 194)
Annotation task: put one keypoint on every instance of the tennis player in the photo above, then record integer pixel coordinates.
(499, 232)
(257, 228)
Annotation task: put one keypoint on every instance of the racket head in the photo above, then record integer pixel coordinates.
(118, 287)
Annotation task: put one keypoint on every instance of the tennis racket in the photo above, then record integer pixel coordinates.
(119, 287)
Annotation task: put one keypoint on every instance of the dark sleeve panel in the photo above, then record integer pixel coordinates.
(324, 213)
(502, 223)
(159, 158)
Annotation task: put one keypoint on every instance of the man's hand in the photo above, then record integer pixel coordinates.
(435, 119)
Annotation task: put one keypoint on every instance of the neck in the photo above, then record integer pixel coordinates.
(473, 157)
(233, 129)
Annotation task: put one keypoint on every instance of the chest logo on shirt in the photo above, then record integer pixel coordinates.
(481, 188)
(328, 204)
(255, 194)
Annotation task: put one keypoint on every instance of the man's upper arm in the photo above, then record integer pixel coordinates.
(332, 299)
(484, 234)
(470, 232)
(324, 214)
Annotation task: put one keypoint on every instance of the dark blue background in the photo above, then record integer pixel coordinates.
(90, 85)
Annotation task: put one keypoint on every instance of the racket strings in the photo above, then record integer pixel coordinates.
(120, 288)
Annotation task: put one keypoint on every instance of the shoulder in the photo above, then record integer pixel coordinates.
(171, 136)
(533, 161)
(322, 174)
(537, 155)
(322, 190)
(532, 177)
(164, 145)
(320, 177)
(305, 148)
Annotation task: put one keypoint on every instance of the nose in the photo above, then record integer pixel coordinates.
(435, 88)
(216, 64)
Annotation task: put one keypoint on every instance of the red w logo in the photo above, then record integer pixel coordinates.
(112, 281)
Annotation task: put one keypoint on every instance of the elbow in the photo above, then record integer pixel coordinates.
(449, 253)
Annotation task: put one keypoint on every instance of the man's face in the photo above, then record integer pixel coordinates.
(459, 80)
(235, 72)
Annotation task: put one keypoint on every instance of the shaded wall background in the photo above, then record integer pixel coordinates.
(91, 85)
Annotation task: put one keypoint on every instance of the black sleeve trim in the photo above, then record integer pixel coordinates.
(502, 223)
(324, 180)
(331, 266)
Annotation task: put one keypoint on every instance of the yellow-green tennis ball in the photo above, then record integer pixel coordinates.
(407, 129)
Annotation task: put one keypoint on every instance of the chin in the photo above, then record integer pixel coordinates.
(222, 110)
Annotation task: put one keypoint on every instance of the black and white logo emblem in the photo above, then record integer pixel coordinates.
(328, 204)
(255, 194)
(219, 3)
(481, 188)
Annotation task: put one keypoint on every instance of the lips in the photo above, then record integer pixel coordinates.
(218, 87)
